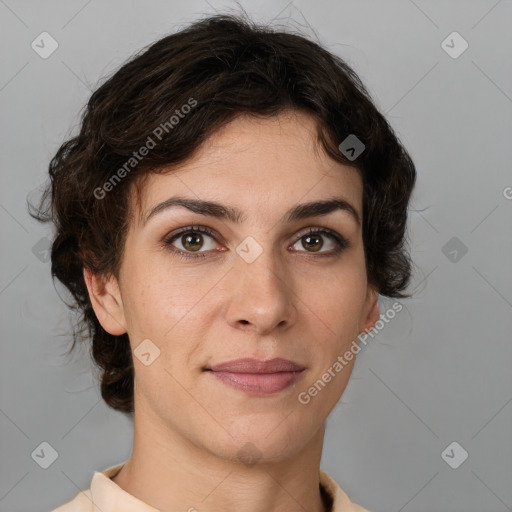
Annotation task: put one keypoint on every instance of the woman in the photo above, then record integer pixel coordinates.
(226, 219)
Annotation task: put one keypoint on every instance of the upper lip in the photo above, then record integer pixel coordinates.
(250, 365)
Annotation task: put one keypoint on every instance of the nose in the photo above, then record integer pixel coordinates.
(261, 296)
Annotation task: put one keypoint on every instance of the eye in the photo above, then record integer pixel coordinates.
(198, 241)
(190, 240)
(313, 242)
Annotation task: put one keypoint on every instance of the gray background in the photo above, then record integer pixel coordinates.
(438, 372)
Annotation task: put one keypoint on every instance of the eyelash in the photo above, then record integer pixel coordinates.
(341, 242)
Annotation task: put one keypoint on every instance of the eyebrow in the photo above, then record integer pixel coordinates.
(214, 209)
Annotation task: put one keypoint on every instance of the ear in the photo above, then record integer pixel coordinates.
(106, 301)
(372, 311)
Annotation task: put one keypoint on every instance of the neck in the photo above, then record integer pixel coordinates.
(168, 471)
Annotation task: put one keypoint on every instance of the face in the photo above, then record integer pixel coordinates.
(255, 277)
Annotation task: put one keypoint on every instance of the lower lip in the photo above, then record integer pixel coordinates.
(258, 383)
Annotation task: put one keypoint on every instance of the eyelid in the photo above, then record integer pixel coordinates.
(318, 229)
(196, 229)
(342, 243)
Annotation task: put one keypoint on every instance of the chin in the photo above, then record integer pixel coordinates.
(268, 442)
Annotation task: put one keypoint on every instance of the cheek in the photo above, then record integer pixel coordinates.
(161, 293)
(337, 296)
(158, 296)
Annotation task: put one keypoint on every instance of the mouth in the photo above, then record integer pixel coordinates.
(257, 377)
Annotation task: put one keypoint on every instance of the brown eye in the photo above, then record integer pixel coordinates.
(312, 242)
(323, 241)
(192, 242)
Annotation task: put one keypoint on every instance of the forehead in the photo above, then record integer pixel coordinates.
(256, 163)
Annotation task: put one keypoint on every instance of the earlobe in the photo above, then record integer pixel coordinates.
(373, 311)
(106, 301)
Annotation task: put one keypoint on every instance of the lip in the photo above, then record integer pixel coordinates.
(251, 365)
(257, 377)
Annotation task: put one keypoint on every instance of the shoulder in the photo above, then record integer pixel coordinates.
(340, 501)
(101, 487)
(82, 502)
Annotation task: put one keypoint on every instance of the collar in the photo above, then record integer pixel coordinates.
(104, 495)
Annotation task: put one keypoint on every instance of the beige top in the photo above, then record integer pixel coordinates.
(104, 495)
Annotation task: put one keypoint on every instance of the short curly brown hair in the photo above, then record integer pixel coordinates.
(221, 66)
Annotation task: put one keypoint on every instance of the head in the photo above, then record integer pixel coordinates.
(239, 126)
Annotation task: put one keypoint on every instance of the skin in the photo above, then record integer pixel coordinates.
(291, 302)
